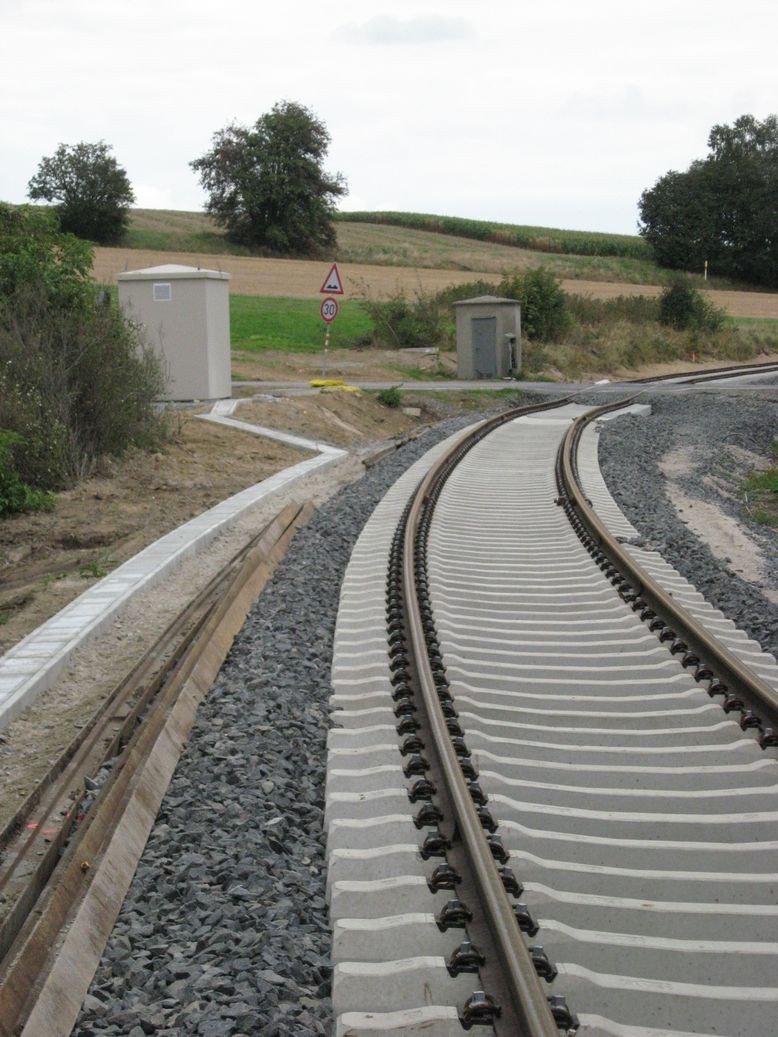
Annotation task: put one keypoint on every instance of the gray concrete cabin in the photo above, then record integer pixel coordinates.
(488, 337)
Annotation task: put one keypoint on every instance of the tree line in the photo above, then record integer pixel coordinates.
(266, 183)
(723, 209)
(267, 187)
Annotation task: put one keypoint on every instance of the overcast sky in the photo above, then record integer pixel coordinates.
(555, 113)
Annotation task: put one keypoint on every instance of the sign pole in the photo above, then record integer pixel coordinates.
(333, 285)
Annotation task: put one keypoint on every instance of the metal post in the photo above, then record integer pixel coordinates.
(326, 349)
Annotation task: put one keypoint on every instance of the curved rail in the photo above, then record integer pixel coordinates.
(530, 1006)
(709, 374)
(730, 670)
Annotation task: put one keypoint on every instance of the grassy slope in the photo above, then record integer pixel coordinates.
(540, 239)
(386, 245)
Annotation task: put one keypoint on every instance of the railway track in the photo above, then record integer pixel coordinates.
(551, 795)
(541, 878)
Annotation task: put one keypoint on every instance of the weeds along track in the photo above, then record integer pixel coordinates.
(551, 791)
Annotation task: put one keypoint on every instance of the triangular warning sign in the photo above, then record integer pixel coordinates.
(332, 282)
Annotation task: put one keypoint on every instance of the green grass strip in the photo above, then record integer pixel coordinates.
(260, 323)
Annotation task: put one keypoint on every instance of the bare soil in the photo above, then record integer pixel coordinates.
(47, 559)
(729, 541)
(302, 279)
(337, 417)
(367, 365)
(132, 502)
(348, 364)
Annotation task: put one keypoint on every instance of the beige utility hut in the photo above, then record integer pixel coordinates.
(488, 337)
(186, 314)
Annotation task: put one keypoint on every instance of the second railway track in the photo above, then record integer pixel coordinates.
(636, 816)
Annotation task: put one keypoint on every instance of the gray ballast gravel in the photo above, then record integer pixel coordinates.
(225, 931)
(710, 431)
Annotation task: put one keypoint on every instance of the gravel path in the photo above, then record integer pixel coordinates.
(711, 430)
(225, 931)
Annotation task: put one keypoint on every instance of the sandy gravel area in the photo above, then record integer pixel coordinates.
(302, 279)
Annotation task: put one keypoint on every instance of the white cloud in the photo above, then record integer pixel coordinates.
(385, 29)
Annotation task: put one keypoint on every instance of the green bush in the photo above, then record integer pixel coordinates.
(400, 322)
(75, 385)
(16, 495)
(683, 307)
(544, 314)
(635, 309)
(35, 255)
(76, 379)
(391, 397)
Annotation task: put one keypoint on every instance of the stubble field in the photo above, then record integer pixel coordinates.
(302, 279)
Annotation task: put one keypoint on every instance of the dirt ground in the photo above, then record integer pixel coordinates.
(47, 559)
(730, 542)
(395, 365)
(367, 365)
(302, 279)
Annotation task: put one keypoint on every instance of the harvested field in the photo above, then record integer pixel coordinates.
(302, 279)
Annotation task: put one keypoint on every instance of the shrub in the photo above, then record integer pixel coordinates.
(544, 314)
(635, 309)
(469, 290)
(76, 379)
(75, 385)
(401, 322)
(16, 495)
(682, 307)
(36, 255)
(391, 397)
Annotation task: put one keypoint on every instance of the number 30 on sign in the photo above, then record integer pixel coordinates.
(329, 310)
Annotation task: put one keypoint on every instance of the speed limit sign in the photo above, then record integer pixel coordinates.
(329, 310)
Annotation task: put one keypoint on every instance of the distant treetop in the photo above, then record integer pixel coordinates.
(267, 184)
(723, 209)
(92, 190)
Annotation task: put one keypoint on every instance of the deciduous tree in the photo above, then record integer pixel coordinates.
(92, 191)
(724, 208)
(267, 185)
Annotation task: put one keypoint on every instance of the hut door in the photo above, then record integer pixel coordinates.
(485, 347)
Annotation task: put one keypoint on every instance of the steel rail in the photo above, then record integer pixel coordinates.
(693, 377)
(529, 1001)
(736, 675)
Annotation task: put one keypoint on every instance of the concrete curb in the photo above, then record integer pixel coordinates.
(34, 664)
